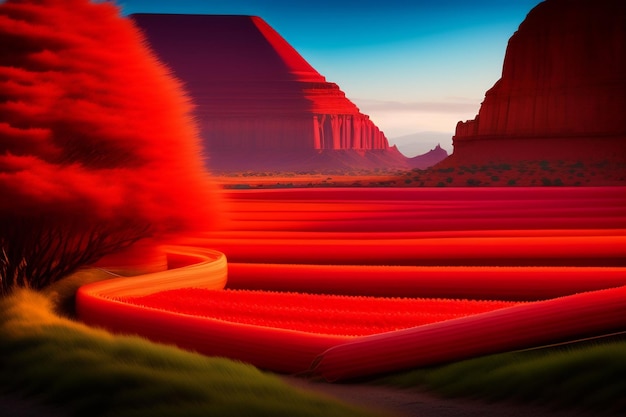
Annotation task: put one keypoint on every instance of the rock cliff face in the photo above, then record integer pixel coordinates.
(563, 88)
(255, 94)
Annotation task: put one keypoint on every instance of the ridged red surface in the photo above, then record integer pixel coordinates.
(323, 314)
(516, 327)
(562, 94)
(292, 332)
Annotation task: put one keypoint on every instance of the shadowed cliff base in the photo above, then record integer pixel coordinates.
(323, 160)
(482, 150)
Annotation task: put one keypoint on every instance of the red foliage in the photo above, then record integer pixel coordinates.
(91, 123)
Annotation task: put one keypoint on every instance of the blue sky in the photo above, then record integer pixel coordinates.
(411, 65)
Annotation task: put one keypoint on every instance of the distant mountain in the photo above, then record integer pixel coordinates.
(419, 143)
(429, 159)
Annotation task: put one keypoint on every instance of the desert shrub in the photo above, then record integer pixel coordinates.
(36, 252)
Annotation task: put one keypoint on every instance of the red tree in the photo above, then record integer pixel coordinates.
(97, 145)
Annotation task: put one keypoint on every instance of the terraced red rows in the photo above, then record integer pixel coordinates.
(506, 244)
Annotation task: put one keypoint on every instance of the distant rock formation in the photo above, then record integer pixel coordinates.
(259, 104)
(429, 159)
(413, 144)
(562, 94)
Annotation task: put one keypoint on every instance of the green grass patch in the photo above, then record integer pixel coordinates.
(588, 377)
(87, 371)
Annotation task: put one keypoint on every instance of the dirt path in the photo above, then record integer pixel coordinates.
(406, 403)
(16, 406)
(394, 402)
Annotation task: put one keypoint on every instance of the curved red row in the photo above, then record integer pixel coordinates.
(516, 255)
(518, 327)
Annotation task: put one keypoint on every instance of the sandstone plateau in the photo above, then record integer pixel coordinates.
(562, 94)
(259, 104)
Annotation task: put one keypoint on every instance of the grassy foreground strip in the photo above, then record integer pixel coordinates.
(91, 372)
(589, 376)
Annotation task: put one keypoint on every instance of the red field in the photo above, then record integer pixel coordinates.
(314, 313)
(291, 253)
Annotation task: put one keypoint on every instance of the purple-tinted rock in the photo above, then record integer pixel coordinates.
(255, 95)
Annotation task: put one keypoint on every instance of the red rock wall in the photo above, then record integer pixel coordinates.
(313, 132)
(346, 131)
(252, 90)
(564, 75)
(250, 133)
